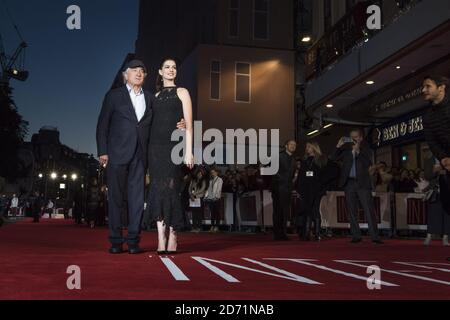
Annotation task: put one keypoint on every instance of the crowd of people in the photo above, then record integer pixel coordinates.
(358, 177)
(349, 169)
(385, 179)
(88, 207)
(21, 206)
(313, 175)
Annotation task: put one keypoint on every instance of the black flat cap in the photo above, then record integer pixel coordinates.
(135, 64)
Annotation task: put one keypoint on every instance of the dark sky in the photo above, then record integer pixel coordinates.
(70, 71)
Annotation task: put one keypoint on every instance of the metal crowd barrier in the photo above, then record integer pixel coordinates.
(399, 211)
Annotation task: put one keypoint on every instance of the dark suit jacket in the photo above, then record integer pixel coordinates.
(283, 179)
(119, 134)
(363, 162)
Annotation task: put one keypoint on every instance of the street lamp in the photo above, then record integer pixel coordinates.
(74, 177)
(53, 175)
(40, 175)
(64, 176)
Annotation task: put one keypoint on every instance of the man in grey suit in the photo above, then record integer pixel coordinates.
(356, 158)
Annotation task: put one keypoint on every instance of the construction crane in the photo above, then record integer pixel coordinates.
(12, 66)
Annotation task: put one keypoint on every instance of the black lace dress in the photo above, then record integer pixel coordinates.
(164, 194)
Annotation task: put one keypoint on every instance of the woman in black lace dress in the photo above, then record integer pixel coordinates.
(164, 196)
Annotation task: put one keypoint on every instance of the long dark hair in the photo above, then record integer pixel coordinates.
(204, 177)
(159, 79)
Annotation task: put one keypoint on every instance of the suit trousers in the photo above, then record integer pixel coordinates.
(281, 208)
(353, 193)
(125, 182)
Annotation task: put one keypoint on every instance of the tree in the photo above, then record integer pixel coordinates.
(13, 130)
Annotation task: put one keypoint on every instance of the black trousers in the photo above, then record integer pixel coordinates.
(444, 183)
(214, 210)
(36, 215)
(77, 214)
(353, 193)
(197, 215)
(125, 182)
(312, 214)
(438, 219)
(91, 212)
(281, 208)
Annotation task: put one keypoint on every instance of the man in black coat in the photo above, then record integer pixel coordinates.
(122, 137)
(436, 125)
(356, 158)
(282, 185)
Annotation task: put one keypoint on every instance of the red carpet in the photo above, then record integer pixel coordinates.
(34, 259)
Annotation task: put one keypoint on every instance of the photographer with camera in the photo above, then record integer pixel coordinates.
(356, 158)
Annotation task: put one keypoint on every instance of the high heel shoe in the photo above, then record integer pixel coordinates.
(162, 252)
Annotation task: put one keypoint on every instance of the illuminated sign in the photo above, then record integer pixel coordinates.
(398, 131)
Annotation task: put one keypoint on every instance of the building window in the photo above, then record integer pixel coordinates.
(327, 14)
(215, 80)
(261, 19)
(233, 19)
(243, 82)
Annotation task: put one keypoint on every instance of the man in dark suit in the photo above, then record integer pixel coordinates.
(122, 137)
(356, 158)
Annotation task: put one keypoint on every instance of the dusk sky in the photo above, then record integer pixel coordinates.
(70, 71)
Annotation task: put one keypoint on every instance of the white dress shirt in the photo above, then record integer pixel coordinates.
(138, 101)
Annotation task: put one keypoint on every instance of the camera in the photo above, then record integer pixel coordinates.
(348, 140)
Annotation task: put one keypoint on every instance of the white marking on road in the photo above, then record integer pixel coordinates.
(174, 270)
(229, 278)
(412, 264)
(347, 274)
(354, 263)
(287, 273)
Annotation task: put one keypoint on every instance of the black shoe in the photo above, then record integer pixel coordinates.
(116, 249)
(134, 249)
(358, 240)
(172, 252)
(378, 241)
(160, 253)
